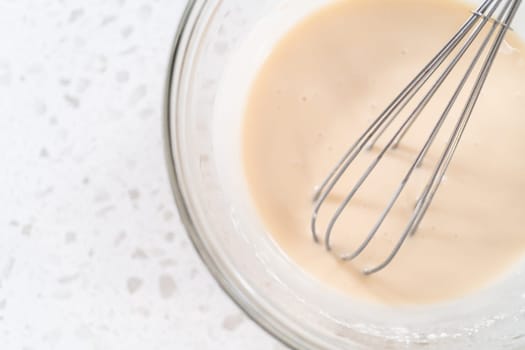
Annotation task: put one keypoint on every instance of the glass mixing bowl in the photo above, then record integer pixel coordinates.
(249, 266)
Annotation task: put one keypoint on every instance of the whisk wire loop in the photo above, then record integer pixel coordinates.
(467, 34)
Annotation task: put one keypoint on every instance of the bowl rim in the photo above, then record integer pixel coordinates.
(270, 324)
(266, 319)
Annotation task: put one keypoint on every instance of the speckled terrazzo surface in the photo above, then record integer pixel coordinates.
(92, 253)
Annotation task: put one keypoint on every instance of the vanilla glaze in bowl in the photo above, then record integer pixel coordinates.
(232, 241)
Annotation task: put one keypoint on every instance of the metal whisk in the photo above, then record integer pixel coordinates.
(499, 14)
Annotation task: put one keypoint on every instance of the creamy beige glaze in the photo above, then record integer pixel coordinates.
(317, 91)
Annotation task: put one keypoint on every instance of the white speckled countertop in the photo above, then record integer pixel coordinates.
(92, 253)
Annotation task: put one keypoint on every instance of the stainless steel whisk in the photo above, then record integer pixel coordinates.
(467, 34)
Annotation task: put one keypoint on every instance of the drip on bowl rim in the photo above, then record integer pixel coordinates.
(235, 294)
